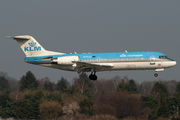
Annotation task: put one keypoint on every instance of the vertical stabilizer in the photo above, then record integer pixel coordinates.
(30, 46)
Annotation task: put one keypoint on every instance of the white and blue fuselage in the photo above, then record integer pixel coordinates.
(117, 61)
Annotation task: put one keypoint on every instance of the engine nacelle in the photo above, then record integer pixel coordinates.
(65, 60)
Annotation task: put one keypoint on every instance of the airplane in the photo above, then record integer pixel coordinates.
(92, 62)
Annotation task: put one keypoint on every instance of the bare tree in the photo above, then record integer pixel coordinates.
(95, 88)
(171, 86)
(146, 87)
(116, 81)
(80, 83)
(121, 104)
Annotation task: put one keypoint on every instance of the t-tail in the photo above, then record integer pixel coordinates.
(31, 47)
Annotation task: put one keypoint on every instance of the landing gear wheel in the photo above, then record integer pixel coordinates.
(93, 76)
(155, 75)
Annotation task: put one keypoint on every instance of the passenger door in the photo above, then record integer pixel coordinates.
(152, 60)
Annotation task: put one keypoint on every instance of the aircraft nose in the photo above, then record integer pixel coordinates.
(173, 63)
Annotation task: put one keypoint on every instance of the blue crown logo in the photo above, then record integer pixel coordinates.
(32, 44)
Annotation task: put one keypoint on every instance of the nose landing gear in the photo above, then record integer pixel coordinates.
(155, 74)
(93, 76)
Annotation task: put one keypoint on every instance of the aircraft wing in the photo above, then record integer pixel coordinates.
(88, 67)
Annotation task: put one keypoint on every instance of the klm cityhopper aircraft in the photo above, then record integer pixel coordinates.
(92, 62)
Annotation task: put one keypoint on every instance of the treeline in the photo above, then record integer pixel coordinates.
(116, 98)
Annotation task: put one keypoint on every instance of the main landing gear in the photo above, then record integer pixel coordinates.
(93, 76)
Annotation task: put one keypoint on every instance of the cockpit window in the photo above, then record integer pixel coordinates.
(163, 57)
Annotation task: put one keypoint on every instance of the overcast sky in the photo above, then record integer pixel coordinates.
(90, 26)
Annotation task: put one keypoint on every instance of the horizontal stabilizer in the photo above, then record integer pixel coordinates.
(23, 37)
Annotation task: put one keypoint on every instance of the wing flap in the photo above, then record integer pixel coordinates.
(88, 67)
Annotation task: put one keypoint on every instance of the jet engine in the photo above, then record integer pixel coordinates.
(67, 60)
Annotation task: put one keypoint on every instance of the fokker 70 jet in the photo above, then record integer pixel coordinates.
(92, 62)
